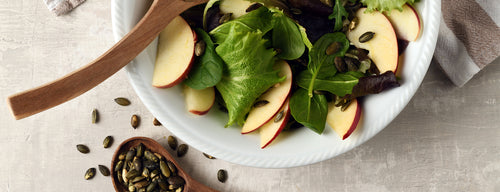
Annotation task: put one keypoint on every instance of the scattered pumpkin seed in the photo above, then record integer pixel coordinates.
(222, 175)
(340, 64)
(172, 167)
(108, 141)
(225, 18)
(104, 170)
(172, 142)
(366, 37)
(260, 103)
(333, 48)
(82, 148)
(156, 122)
(122, 101)
(279, 116)
(90, 173)
(95, 116)
(199, 48)
(353, 24)
(352, 56)
(208, 156)
(134, 121)
(183, 148)
(252, 7)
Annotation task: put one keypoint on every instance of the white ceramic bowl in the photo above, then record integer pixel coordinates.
(300, 147)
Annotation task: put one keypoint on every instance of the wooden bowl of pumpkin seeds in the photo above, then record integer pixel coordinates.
(141, 164)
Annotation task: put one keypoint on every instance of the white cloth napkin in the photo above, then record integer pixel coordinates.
(469, 37)
(60, 7)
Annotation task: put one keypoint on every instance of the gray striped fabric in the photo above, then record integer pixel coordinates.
(469, 37)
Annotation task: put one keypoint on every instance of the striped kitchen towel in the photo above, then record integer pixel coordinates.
(469, 37)
(60, 7)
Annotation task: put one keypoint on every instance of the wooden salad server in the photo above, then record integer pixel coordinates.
(38, 99)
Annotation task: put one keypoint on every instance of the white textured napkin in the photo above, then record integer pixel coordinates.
(60, 7)
(469, 37)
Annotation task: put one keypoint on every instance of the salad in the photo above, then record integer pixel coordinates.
(274, 65)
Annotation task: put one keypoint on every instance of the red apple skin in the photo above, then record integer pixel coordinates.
(284, 121)
(355, 122)
(184, 75)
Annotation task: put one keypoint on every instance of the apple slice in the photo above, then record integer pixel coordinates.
(406, 23)
(383, 47)
(199, 102)
(175, 54)
(343, 122)
(273, 100)
(236, 7)
(271, 130)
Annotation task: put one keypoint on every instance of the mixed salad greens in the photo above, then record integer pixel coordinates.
(241, 52)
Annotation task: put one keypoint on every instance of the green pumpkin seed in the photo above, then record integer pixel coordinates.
(340, 64)
(134, 121)
(137, 164)
(132, 173)
(295, 11)
(154, 173)
(145, 172)
(119, 176)
(142, 190)
(124, 176)
(260, 103)
(156, 122)
(150, 156)
(104, 170)
(90, 173)
(138, 178)
(178, 189)
(279, 116)
(130, 155)
(163, 184)
(151, 187)
(176, 181)
(82, 148)
(131, 188)
(95, 116)
(208, 156)
(140, 150)
(333, 48)
(172, 142)
(122, 156)
(222, 175)
(164, 169)
(366, 37)
(122, 101)
(151, 165)
(108, 141)
(119, 166)
(141, 184)
(171, 167)
(159, 156)
(183, 148)
(199, 48)
(353, 24)
(225, 18)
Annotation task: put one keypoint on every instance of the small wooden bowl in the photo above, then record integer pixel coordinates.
(153, 146)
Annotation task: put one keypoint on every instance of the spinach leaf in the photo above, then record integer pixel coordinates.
(207, 69)
(338, 14)
(259, 19)
(322, 65)
(287, 37)
(340, 84)
(309, 111)
(248, 72)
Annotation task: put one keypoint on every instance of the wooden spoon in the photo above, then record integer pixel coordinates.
(153, 146)
(36, 100)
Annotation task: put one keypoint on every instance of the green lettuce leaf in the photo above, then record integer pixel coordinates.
(248, 72)
(386, 5)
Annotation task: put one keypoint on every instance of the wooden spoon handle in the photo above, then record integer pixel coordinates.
(36, 100)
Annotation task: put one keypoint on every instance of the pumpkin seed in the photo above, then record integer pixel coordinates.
(295, 11)
(365, 65)
(353, 24)
(122, 101)
(164, 169)
(178, 189)
(208, 156)
(366, 37)
(131, 188)
(260, 103)
(82, 148)
(172, 167)
(142, 190)
(225, 18)
(199, 48)
(107, 141)
(104, 170)
(352, 56)
(95, 116)
(151, 165)
(141, 184)
(151, 187)
(252, 7)
(145, 172)
(279, 116)
(132, 173)
(156, 122)
(154, 173)
(176, 181)
(150, 156)
(329, 3)
(159, 156)
(124, 176)
(163, 185)
(134, 121)
(352, 64)
(119, 176)
(222, 175)
(122, 156)
(90, 173)
(333, 48)
(130, 155)
(183, 148)
(172, 142)
(137, 164)
(119, 166)
(340, 65)
(140, 150)
(138, 178)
